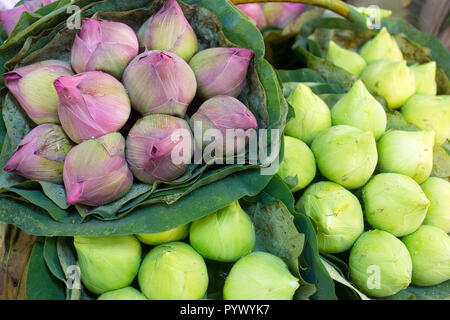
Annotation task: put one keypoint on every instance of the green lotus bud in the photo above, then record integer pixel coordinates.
(298, 168)
(359, 109)
(394, 203)
(438, 192)
(127, 293)
(107, 263)
(380, 264)
(225, 235)
(175, 234)
(312, 115)
(390, 79)
(430, 113)
(429, 248)
(407, 152)
(260, 276)
(425, 76)
(173, 271)
(382, 47)
(346, 155)
(336, 213)
(345, 59)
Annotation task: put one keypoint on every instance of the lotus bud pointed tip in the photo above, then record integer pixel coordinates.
(221, 71)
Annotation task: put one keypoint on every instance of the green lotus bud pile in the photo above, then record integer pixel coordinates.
(380, 264)
(173, 271)
(425, 76)
(359, 109)
(429, 248)
(345, 59)
(175, 234)
(298, 168)
(431, 113)
(438, 192)
(260, 276)
(311, 114)
(407, 152)
(390, 79)
(225, 235)
(337, 214)
(107, 263)
(382, 47)
(346, 155)
(394, 203)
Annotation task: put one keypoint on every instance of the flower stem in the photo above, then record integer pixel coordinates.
(337, 6)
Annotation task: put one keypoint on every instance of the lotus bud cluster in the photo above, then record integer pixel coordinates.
(336, 213)
(169, 30)
(41, 154)
(91, 104)
(312, 115)
(223, 114)
(159, 147)
(281, 14)
(345, 59)
(95, 171)
(33, 88)
(260, 276)
(160, 82)
(359, 109)
(10, 17)
(393, 80)
(221, 71)
(255, 12)
(425, 76)
(382, 47)
(104, 46)
(407, 152)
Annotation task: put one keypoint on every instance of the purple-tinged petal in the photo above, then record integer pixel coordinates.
(10, 17)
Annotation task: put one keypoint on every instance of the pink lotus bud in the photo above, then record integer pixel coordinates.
(226, 114)
(32, 86)
(280, 14)
(159, 148)
(40, 155)
(104, 46)
(160, 82)
(221, 71)
(10, 17)
(91, 104)
(95, 171)
(255, 12)
(169, 30)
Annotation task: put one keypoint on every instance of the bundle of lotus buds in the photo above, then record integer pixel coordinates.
(119, 80)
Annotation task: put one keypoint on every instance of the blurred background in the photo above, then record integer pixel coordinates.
(430, 16)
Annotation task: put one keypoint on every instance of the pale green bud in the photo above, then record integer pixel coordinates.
(345, 59)
(425, 76)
